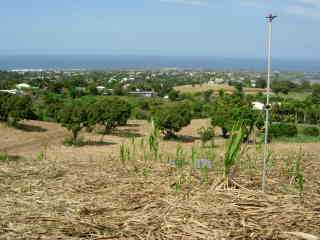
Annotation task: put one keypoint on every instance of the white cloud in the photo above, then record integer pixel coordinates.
(187, 2)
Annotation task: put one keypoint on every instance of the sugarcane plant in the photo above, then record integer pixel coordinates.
(233, 149)
(154, 141)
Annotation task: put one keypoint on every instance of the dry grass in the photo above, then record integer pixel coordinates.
(87, 193)
(215, 87)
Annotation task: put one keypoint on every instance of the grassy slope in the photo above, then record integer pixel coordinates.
(214, 87)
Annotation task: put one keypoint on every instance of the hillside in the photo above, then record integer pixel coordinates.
(50, 191)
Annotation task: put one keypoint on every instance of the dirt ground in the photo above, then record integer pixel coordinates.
(44, 136)
(51, 191)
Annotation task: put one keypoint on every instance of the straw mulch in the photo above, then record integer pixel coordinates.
(100, 199)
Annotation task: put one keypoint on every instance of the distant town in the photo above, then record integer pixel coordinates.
(148, 83)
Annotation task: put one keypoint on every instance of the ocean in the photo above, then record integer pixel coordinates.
(108, 62)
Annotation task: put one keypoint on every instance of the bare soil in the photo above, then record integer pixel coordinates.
(50, 191)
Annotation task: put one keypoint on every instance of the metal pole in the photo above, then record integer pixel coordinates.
(267, 107)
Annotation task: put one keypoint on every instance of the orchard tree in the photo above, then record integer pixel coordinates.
(228, 109)
(172, 117)
(20, 107)
(4, 110)
(174, 95)
(47, 106)
(14, 108)
(315, 97)
(74, 117)
(110, 112)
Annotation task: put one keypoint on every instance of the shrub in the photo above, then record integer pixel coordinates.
(311, 131)
(206, 134)
(283, 130)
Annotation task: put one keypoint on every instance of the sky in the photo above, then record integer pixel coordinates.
(219, 28)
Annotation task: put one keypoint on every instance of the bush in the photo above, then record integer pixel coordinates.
(311, 131)
(206, 134)
(283, 130)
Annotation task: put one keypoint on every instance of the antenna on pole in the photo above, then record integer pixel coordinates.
(270, 19)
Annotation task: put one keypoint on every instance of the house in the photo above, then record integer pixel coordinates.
(13, 91)
(253, 83)
(100, 88)
(143, 93)
(258, 106)
(219, 80)
(22, 86)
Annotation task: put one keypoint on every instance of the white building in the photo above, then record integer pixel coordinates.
(258, 106)
(13, 91)
(100, 88)
(143, 93)
(23, 86)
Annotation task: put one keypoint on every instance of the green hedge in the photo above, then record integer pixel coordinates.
(283, 130)
(311, 131)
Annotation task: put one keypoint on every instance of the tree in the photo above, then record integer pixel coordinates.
(261, 83)
(14, 108)
(19, 108)
(315, 97)
(92, 89)
(47, 106)
(207, 95)
(283, 86)
(110, 112)
(74, 117)
(173, 95)
(172, 117)
(4, 110)
(229, 109)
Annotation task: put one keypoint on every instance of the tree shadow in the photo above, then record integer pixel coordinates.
(29, 128)
(9, 158)
(97, 143)
(132, 125)
(127, 133)
(182, 138)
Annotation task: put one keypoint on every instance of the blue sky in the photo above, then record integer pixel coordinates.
(228, 28)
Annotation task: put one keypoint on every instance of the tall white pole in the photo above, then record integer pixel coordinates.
(267, 108)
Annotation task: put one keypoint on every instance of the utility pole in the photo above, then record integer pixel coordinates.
(270, 19)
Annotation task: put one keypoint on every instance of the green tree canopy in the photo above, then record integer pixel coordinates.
(110, 112)
(14, 108)
(172, 117)
(228, 109)
(74, 117)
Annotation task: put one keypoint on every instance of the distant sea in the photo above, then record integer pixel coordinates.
(107, 62)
